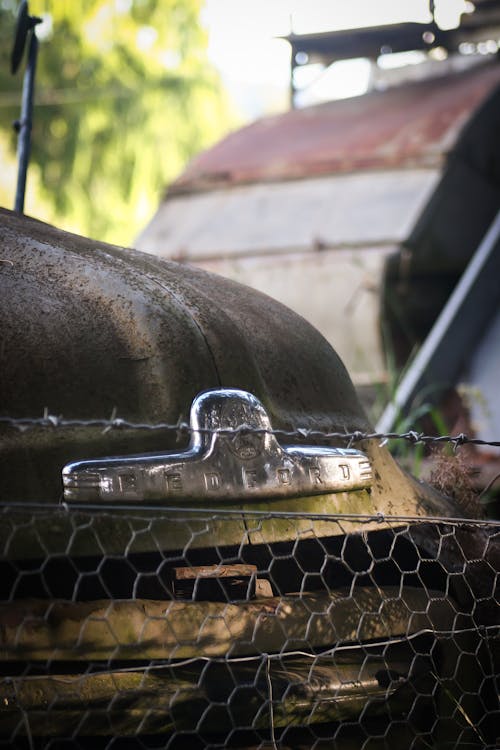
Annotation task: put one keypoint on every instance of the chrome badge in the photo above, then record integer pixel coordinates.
(232, 455)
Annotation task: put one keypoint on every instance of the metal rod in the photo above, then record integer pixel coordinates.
(25, 124)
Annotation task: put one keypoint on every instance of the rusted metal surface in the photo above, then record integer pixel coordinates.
(89, 329)
(409, 126)
(214, 571)
(376, 669)
(37, 630)
(302, 691)
(215, 582)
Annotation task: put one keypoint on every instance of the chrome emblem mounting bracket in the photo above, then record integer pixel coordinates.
(233, 455)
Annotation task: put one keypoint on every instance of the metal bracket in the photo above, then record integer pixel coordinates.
(232, 455)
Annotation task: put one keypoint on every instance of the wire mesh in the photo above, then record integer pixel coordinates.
(193, 629)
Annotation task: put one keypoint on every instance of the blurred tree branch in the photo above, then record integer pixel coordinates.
(125, 97)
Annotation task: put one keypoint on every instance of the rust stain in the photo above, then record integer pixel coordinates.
(411, 125)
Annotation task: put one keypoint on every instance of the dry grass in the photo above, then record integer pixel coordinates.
(452, 474)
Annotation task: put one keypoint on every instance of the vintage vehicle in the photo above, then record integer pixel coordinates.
(242, 575)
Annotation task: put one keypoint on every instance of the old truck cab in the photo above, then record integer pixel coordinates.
(203, 543)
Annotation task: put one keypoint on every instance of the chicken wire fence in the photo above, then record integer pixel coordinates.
(193, 629)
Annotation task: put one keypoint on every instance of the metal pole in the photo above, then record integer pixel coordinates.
(457, 330)
(25, 124)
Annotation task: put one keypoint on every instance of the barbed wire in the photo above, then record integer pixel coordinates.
(181, 428)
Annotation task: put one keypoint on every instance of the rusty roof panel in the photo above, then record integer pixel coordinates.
(411, 125)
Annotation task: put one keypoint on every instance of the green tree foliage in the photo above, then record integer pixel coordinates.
(125, 97)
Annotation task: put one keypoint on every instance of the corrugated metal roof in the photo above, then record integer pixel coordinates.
(408, 126)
